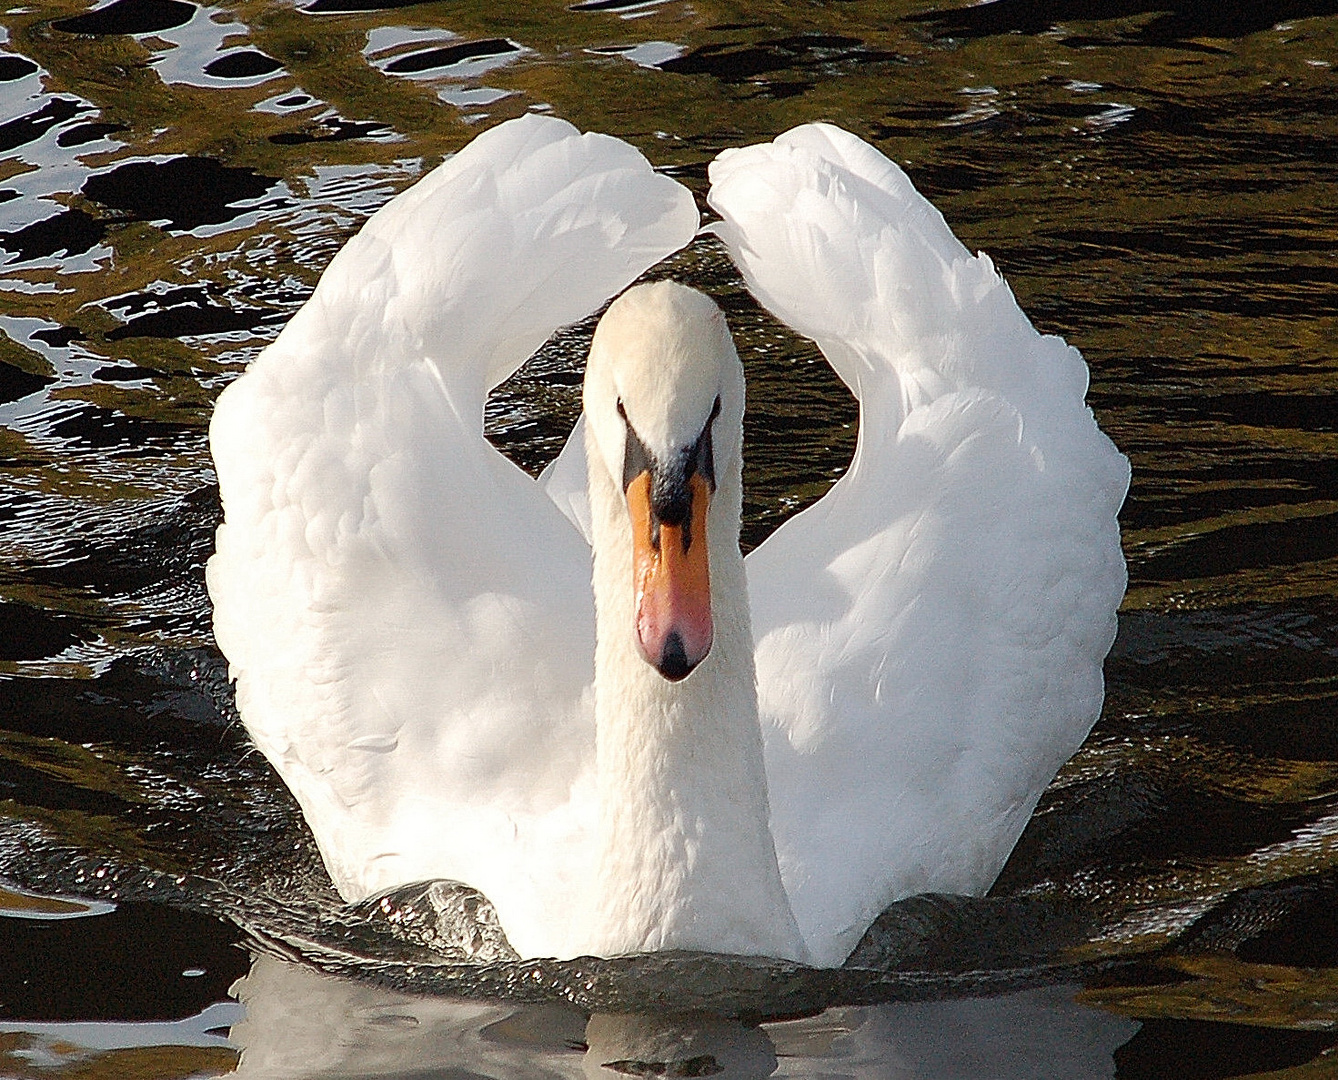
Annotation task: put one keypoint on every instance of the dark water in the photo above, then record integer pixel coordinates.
(1159, 184)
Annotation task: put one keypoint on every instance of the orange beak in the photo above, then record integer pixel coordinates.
(672, 578)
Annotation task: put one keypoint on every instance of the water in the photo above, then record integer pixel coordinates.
(1157, 182)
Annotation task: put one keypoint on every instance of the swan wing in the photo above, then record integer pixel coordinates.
(407, 614)
(930, 634)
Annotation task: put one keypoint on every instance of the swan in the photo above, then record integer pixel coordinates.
(573, 694)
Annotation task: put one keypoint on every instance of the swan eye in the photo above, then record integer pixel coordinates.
(701, 460)
(636, 458)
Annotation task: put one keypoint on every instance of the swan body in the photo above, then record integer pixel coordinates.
(412, 621)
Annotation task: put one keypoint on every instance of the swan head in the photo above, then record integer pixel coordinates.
(664, 401)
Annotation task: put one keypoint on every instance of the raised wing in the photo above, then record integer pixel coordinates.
(407, 614)
(930, 634)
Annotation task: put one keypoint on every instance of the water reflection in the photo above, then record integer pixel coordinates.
(1155, 179)
(638, 1045)
(130, 17)
(301, 1023)
(196, 1046)
(1175, 22)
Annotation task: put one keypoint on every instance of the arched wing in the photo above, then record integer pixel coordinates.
(407, 614)
(930, 634)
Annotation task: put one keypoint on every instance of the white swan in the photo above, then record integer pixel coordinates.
(411, 619)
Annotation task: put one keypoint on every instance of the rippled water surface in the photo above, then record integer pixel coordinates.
(1159, 183)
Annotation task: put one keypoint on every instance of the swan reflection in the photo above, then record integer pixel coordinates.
(300, 1023)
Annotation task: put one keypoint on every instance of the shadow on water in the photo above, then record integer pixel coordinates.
(1156, 181)
(1163, 23)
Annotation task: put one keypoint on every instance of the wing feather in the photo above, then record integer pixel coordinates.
(407, 614)
(930, 634)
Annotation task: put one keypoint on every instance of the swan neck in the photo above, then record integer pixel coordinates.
(686, 858)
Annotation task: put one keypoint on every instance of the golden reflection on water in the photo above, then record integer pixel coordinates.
(1223, 988)
(65, 1061)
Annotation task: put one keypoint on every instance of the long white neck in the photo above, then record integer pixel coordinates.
(686, 858)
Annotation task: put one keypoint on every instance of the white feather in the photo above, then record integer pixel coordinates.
(930, 634)
(410, 618)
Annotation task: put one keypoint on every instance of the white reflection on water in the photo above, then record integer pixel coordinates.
(383, 40)
(649, 54)
(61, 1044)
(299, 1023)
(197, 43)
(21, 904)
